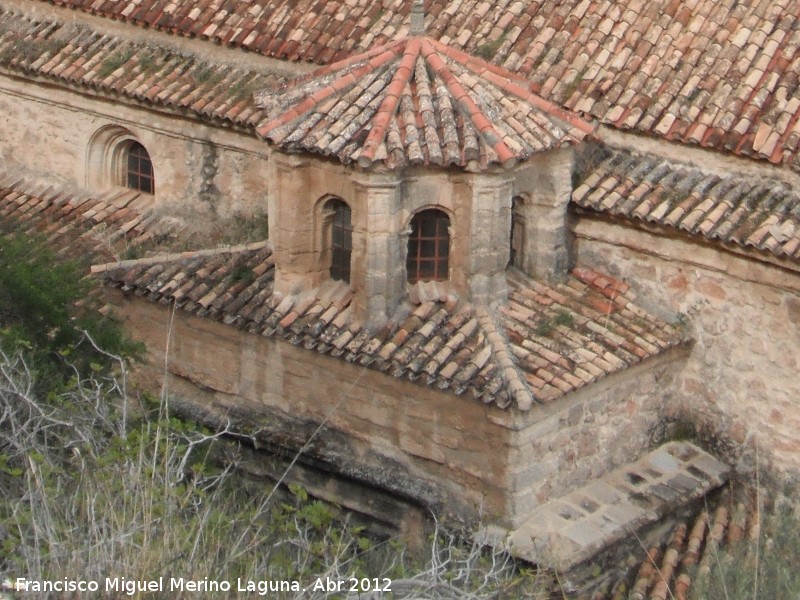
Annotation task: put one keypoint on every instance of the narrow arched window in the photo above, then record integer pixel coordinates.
(429, 247)
(517, 238)
(139, 169)
(341, 239)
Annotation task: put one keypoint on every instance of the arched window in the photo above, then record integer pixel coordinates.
(116, 158)
(138, 169)
(429, 247)
(341, 236)
(517, 241)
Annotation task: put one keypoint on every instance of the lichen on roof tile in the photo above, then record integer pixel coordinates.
(418, 103)
(754, 214)
(548, 341)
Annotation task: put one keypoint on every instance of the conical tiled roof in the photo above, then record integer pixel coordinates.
(416, 102)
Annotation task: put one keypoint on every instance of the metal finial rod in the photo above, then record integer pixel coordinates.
(417, 18)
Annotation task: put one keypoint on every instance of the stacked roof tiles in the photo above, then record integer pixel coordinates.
(718, 73)
(76, 223)
(546, 342)
(79, 56)
(751, 213)
(697, 547)
(414, 102)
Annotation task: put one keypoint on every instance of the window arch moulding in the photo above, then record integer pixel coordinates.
(116, 158)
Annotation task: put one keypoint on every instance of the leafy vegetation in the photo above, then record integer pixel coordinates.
(564, 318)
(115, 61)
(49, 310)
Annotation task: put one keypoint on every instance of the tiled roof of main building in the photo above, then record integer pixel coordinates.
(414, 101)
(721, 74)
(545, 342)
(99, 62)
(730, 209)
(752, 213)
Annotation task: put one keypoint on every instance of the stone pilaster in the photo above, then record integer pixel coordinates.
(546, 184)
(378, 277)
(291, 225)
(489, 238)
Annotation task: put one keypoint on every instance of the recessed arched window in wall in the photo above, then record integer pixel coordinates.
(116, 158)
(429, 247)
(517, 238)
(341, 236)
(138, 168)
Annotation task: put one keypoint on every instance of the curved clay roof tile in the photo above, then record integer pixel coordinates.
(418, 102)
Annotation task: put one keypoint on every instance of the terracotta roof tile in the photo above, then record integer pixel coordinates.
(76, 223)
(416, 101)
(77, 56)
(758, 214)
(694, 547)
(548, 341)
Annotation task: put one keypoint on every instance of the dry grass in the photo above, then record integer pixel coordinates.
(89, 495)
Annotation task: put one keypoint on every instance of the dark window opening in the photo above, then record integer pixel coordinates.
(341, 240)
(517, 240)
(429, 247)
(139, 172)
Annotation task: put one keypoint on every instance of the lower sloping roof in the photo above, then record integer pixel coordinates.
(752, 213)
(75, 223)
(546, 342)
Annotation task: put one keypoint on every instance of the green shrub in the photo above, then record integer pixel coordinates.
(120, 57)
(565, 318)
(47, 308)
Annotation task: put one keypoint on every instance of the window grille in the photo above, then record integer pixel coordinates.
(341, 240)
(139, 173)
(429, 247)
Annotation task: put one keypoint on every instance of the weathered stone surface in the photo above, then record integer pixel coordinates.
(563, 534)
(567, 445)
(60, 149)
(434, 437)
(743, 315)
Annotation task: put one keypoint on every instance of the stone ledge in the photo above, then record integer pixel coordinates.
(572, 529)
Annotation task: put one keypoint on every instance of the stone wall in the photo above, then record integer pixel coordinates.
(383, 205)
(590, 432)
(543, 187)
(740, 388)
(52, 134)
(432, 448)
